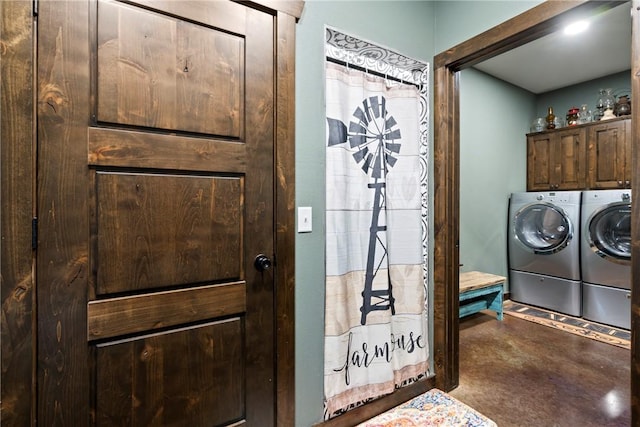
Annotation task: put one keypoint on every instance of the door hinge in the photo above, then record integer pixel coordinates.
(34, 233)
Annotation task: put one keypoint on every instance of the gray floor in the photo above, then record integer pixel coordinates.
(522, 374)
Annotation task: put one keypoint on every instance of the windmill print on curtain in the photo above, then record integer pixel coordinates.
(376, 336)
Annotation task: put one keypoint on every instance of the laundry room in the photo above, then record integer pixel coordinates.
(496, 116)
(503, 101)
(504, 151)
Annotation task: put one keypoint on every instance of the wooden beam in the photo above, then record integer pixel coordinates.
(112, 317)
(446, 228)
(635, 215)
(289, 7)
(285, 220)
(536, 22)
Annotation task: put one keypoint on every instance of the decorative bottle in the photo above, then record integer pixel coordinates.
(584, 115)
(609, 105)
(623, 108)
(572, 116)
(599, 111)
(550, 119)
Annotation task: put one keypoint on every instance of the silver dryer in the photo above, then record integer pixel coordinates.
(606, 256)
(544, 250)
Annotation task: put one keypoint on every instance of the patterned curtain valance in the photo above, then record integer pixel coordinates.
(351, 50)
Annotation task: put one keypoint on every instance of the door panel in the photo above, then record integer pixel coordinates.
(156, 187)
(540, 162)
(202, 387)
(571, 159)
(609, 233)
(610, 151)
(159, 230)
(542, 228)
(159, 71)
(556, 160)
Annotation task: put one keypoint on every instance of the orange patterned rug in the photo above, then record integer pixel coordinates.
(574, 325)
(433, 408)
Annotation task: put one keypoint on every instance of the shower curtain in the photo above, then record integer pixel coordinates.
(376, 337)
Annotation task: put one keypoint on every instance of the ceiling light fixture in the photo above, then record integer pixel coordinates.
(576, 27)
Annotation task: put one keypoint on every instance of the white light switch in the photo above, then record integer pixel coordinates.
(304, 219)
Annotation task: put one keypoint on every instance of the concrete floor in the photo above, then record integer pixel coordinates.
(522, 374)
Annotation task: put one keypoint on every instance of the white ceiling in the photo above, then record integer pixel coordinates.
(557, 60)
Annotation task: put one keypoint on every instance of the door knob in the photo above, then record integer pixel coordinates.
(262, 262)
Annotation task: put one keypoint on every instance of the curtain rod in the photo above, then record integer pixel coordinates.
(366, 70)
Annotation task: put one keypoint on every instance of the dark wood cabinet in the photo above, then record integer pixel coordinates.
(609, 155)
(590, 156)
(556, 160)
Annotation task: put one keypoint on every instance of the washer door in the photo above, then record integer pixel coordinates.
(543, 228)
(609, 233)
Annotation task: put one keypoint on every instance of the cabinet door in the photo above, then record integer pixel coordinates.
(570, 159)
(556, 160)
(540, 160)
(609, 155)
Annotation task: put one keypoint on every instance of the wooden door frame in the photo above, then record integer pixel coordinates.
(18, 130)
(284, 203)
(17, 144)
(530, 25)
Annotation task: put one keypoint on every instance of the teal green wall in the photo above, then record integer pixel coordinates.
(494, 116)
(584, 93)
(492, 145)
(458, 21)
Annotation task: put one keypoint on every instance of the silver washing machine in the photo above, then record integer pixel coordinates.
(606, 257)
(544, 250)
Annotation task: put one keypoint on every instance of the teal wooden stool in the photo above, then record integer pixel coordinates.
(481, 291)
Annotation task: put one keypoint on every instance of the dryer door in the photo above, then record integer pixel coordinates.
(543, 228)
(609, 233)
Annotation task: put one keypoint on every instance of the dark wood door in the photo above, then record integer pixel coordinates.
(540, 161)
(556, 160)
(155, 195)
(571, 159)
(610, 155)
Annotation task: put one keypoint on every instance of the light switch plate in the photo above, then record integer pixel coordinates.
(304, 219)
